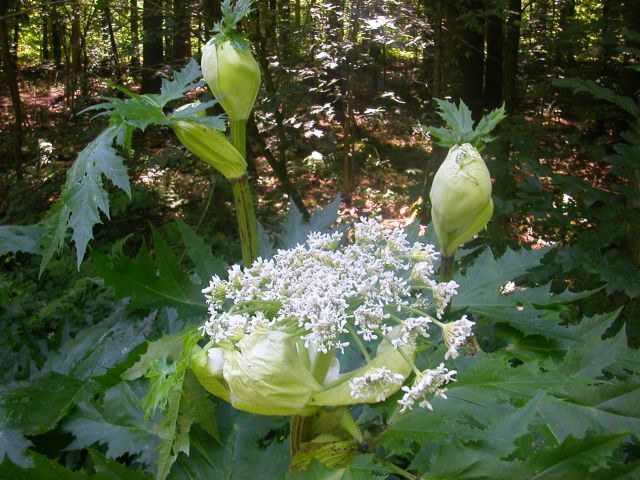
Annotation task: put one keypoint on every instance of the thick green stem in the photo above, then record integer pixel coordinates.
(300, 429)
(239, 136)
(245, 214)
(447, 269)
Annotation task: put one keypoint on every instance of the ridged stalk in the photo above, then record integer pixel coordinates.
(300, 429)
(239, 136)
(245, 214)
(243, 198)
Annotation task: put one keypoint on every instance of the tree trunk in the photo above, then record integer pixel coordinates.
(436, 69)
(57, 34)
(45, 51)
(152, 53)
(182, 31)
(492, 92)
(211, 13)
(106, 10)
(284, 31)
(465, 56)
(349, 121)
(134, 26)
(564, 47)
(510, 59)
(11, 78)
(76, 40)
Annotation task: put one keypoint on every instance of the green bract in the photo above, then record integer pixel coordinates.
(460, 196)
(266, 373)
(233, 75)
(211, 146)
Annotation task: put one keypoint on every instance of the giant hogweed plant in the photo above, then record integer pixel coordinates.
(342, 340)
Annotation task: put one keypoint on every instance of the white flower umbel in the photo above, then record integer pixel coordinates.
(430, 383)
(455, 335)
(321, 288)
(292, 314)
(375, 382)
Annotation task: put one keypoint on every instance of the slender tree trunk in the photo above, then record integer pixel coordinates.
(284, 30)
(436, 87)
(211, 14)
(112, 41)
(510, 59)
(134, 26)
(11, 77)
(56, 37)
(152, 53)
(296, 15)
(564, 47)
(349, 121)
(76, 39)
(492, 92)
(465, 55)
(181, 34)
(45, 51)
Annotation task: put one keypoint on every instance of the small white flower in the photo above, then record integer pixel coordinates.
(421, 253)
(226, 327)
(369, 320)
(429, 383)
(508, 287)
(422, 273)
(455, 335)
(442, 295)
(410, 329)
(374, 383)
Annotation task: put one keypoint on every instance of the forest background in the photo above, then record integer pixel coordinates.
(346, 86)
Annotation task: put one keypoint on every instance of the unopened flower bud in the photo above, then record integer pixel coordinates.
(233, 76)
(460, 196)
(212, 147)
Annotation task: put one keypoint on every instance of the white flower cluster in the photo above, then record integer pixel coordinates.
(429, 383)
(327, 288)
(320, 288)
(374, 383)
(455, 335)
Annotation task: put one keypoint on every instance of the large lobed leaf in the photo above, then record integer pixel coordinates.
(533, 311)
(84, 197)
(152, 282)
(116, 421)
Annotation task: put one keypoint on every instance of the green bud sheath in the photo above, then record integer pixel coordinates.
(233, 76)
(266, 375)
(211, 380)
(212, 147)
(460, 196)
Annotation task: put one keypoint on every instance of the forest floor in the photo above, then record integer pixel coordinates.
(390, 158)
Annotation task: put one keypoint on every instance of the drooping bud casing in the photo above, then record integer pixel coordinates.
(212, 147)
(460, 196)
(233, 76)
